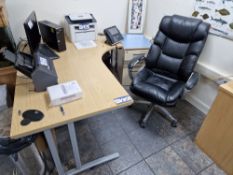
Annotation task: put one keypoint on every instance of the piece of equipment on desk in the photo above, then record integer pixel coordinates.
(53, 35)
(81, 28)
(113, 35)
(34, 38)
(40, 69)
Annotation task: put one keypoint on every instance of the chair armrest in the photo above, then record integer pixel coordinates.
(133, 63)
(192, 81)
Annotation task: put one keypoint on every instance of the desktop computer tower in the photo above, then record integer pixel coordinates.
(53, 35)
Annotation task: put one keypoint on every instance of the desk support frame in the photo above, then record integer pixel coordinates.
(74, 142)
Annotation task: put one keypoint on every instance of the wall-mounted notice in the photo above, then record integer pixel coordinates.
(219, 13)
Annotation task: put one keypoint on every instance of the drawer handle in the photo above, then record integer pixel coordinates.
(139, 54)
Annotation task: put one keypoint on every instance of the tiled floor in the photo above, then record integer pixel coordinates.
(157, 150)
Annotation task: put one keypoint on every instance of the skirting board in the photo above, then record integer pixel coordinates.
(197, 103)
(212, 75)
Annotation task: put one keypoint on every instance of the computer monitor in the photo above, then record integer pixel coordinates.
(33, 36)
(32, 32)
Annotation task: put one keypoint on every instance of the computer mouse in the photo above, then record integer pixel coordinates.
(33, 115)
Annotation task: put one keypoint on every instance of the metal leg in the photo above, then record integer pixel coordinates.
(79, 167)
(38, 158)
(74, 142)
(20, 164)
(93, 164)
(142, 102)
(54, 152)
(144, 119)
(166, 114)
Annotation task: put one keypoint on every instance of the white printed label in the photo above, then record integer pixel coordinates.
(123, 99)
(30, 24)
(44, 62)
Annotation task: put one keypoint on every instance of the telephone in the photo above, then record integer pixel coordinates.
(113, 35)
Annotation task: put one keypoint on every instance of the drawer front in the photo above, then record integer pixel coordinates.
(129, 54)
(139, 65)
(126, 81)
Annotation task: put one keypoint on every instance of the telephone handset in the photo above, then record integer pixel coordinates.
(113, 35)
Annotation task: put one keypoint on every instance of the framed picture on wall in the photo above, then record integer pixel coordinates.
(136, 16)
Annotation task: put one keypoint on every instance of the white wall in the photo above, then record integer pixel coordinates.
(218, 53)
(107, 12)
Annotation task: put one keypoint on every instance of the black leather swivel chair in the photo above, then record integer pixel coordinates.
(169, 65)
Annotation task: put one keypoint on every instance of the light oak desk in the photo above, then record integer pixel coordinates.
(215, 137)
(99, 87)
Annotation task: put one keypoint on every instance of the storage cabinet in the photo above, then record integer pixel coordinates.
(3, 18)
(215, 137)
(7, 71)
(133, 45)
(129, 54)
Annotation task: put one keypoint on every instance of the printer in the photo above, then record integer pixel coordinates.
(80, 27)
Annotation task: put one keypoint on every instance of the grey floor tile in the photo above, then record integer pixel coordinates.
(100, 170)
(190, 123)
(7, 167)
(164, 129)
(146, 141)
(139, 169)
(2, 159)
(192, 155)
(128, 118)
(63, 143)
(128, 154)
(106, 128)
(186, 107)
(169, 163)
(99, 120)
(213, 170)
(88, 146)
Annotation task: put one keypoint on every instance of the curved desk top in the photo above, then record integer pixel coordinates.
(99, 87)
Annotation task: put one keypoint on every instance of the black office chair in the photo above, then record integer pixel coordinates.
(169, 65)
(11, 147)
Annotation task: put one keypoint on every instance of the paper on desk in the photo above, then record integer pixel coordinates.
(85, 44)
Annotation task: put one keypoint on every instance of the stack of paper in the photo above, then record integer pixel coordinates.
(85, 44)
(64, 93)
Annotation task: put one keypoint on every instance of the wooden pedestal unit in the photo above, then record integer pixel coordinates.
(8, 77)
(3, 17)
(215, 137)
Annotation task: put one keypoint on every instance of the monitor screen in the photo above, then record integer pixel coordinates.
(32, 32)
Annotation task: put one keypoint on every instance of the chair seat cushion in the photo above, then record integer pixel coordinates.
(157, 88)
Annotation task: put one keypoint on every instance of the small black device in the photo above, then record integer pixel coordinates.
(31, 116)
(53, 35)
(34, 37)
(113, 35)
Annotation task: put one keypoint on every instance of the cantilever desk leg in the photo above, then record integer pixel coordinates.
(74, 143)
(79, 167)
(54, 151)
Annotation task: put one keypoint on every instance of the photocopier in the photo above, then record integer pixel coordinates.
(80, 27)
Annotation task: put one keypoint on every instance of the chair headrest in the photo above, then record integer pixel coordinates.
(184, 29)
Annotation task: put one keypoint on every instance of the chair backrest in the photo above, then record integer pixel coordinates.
(177, 46)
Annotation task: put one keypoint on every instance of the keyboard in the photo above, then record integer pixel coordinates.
(46, 51)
